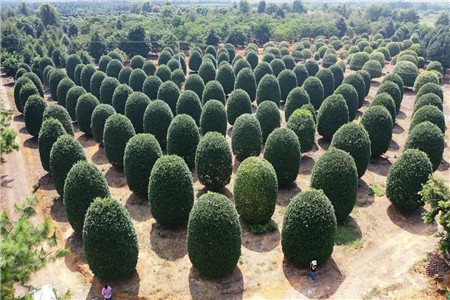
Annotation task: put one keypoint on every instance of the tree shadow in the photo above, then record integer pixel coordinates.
(99, 157)
(444, 165)
(411, 221)
(285, 193)
(393, 145)
(364, 198)
(58, 211)
(401, 115)
(264, 242)
(324, 144)
(348, 232)
(365, 103)
(137, 206)
(236, 164)
(380, 166)
(329, 278)
(5, 182)
(168, 244)
(374, 83)
(23, 130)
(115, 177)
(306, 164)
(18, 118)
(229, 130)
(125, 288)
(224, 191)
(46, 182)
(76, 257)
(358, 114)
(230, 287)
(86, 140)
(31, 143)
(398, 129)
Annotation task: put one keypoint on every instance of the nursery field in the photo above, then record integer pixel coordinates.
(249, 150)
(378, 253)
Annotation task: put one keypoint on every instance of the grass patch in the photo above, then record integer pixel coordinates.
(10, 93)
(261, 228)
(348, 235)
(377, 292)
(162, 234)
(362, 203)
(374, 190)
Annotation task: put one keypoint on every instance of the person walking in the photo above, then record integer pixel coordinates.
(107, 292)
(312, 270)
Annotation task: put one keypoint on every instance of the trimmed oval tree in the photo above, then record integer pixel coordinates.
(83, 184)
(99, 116)
(107, 89)
(66, 151)
(86, 75)
(386, 100)
(189, 103)
(245, 80)
(226, 77)
(157, 118)
(62, 89)
(141, 153)
(268, 89)
(118, 130)
(351, 99)
(72, 99)
(85, 107)
(120, 97)
(304, 126)
(314, 87)
(170, 191)
(296, 99)
(137, 78)
(213, 90)
(357, 82)
(335, 173)
(354, 139)
(214, 235)
(135, 107)
(378, 123)
(428, 113)
(428, 99)
(333, 113)
(246, 137)
(238, 103)
(196, 84)
(309, 228)
(283, 151)
(213, 161)
(183, 138)
(51, 130)
(269, 118)
(327, 79)
(33, 114)
(60, 113)
(151, 86)
(391, 88)
(255, 190)
(287, 81)
(405, 179)
(428, 138)
(110, 242)
(213, 118)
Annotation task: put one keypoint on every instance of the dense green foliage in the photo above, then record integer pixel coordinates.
(255, 190)
(430, 88)
(283, 151)
(157, 118)
(17, 87)
(33, 114)
(85, 107)
(120, 96)
(428, 113)
(137, 78)
(335, 173)
(107, 89)
(405, 179)
(60, 113)
(327, 79)
(141, 153)
(407, 72)
(96, 81)
(182, 138)
(62, 89)
(302, 122)
(268, 89)
(245, 80)
(238, 103)
(213, 117)
(428, 138)
(392, 89)
(386, 100)
(351, 99)
(314, 87)
(213, 91)
(269, 118)
(287, 81)
(170, 191)
(135, 107)
(246, 137)
(118, 130)
(51, 130)
(66, 151)
(214, 235)
(189, 103)
(296, 99)
(110, 242)
(424, 78)
(358, 83)
(309, 228)
(98, 119)
(213, 161)
(196, 84)
(428, 99)
(55, 77)
(378, 123)
(83, 184)
(85, 76)
(354, 139)
(333, 113)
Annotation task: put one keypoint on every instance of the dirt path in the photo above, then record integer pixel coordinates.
(391, 244)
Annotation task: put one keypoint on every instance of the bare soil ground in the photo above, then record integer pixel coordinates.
(387, 263)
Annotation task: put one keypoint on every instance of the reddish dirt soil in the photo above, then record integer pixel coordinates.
(394, 246)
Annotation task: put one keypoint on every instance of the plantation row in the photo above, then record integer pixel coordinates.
(141, 110)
